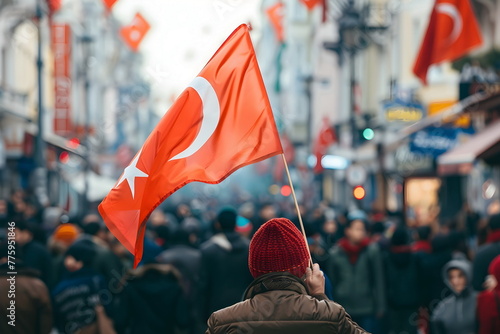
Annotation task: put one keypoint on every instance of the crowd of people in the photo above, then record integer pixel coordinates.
(73, 276)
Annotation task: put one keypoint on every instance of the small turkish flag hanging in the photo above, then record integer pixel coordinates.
(220, 123)
(134, 33)
(452, 32)
(275, 14)
(109, 3)
(310, 4)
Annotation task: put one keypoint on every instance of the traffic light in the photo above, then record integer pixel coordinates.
(64, 157)
(368, 134)
(73, 143)
(286, 190)
(359, 192)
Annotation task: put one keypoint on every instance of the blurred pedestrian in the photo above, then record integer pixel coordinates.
(152, 301)
(31, 312)
(488, 302)
(244, 227)
(486, 253)
(81, 299)
(224, 274)
(422, 236)
(59, 242)
(105, 262)
(434, 288)
(186, 258)
(456, 314)
(356, 270)
(286, 295)
(34, 254)
(403, 288)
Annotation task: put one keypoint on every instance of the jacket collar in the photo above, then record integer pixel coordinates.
(275, 281)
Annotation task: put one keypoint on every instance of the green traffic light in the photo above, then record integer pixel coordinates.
(368, 134)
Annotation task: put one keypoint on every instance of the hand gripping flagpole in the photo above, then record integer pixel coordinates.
(297, 208)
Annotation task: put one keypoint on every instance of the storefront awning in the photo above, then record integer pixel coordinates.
(460, 159)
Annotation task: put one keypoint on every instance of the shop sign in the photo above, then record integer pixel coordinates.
(401, 111)
(435, 141)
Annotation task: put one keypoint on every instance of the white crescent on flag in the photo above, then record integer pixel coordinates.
(452, 11)
(211, 116)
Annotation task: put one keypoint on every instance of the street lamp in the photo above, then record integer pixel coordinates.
(40, 173)
(86, 43)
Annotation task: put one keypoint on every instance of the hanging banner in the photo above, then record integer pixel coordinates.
(275, 14)
(61, 46)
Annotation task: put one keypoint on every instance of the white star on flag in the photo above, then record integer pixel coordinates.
(130, 173)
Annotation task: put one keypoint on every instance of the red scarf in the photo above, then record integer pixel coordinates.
(493, 237)
(351, 250)
(422, 246)
(401, 249)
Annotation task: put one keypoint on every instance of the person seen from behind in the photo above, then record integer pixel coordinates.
(286, 296)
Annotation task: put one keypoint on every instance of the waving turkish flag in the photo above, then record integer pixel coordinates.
(452, 32)
(221, 122)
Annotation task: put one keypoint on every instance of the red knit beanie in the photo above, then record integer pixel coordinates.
(278, 246)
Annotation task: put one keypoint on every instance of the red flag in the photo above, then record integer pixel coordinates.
(221, 122)
(109, 3)
(135, 31)
(289, 151)
(275, 14)
(326, 137)
(452, 32)
(310, 4)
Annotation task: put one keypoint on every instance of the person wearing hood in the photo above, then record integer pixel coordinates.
(488, 303)
(224, 273)
(456, 314)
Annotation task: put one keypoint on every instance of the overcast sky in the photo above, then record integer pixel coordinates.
(184, 35)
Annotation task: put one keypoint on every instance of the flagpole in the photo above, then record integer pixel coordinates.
(297, 208)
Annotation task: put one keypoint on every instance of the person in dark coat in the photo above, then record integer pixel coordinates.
(33, 254)
(25, 306)
(81, 293)
(152, 301)
(422, 242)
(403, 295)
(486, 253)
(187, 259)
(224, 272)
(488, 303)
(287, 296)
(355, 268)
(456, 314)
(432, 285)
(105, 262)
